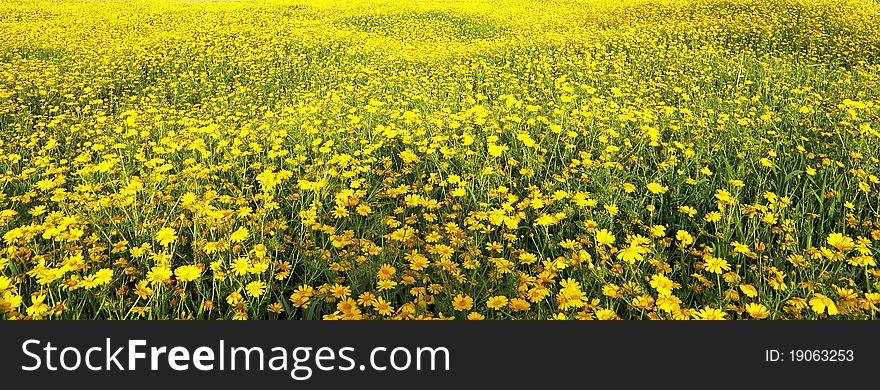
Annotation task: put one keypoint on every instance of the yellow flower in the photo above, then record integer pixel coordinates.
(749, 290)
(386, 271)
(302, 295)
(684, 237)
(545, 220)
(188, 199)
(275, 307)
(526, 139)
(409, 157)
(690, 211)
(9, 301)
(611, 290)
(234, 298)
(241, 266)
(458, 192)
(862, 261)
(497, 302)
(383, 307)
(419, 263)
(166, 236)
(103, 276)
(519, 304)
(239, 234)
(497, 150)
(159, 274)
(474, 316)
(604, 237)
(612, 209)
(38, 308)
(662, 284)
(820, 303)
(606, 314)
(631, 253)
(711, 313)
(757, 311)
(383, 285)
(255, 288)
(716, 265)
(658, 231)
(713, 217)
(186, 273)
(657, 188)
(668, 303)
(462, 302)
(527, 258)
(143, 290)
(840, 241)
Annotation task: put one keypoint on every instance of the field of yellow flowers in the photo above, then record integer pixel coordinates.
(472, 159)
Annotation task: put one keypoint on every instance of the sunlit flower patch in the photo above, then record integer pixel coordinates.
(367, 159)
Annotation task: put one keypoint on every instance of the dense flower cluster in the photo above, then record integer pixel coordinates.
(370, 159)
